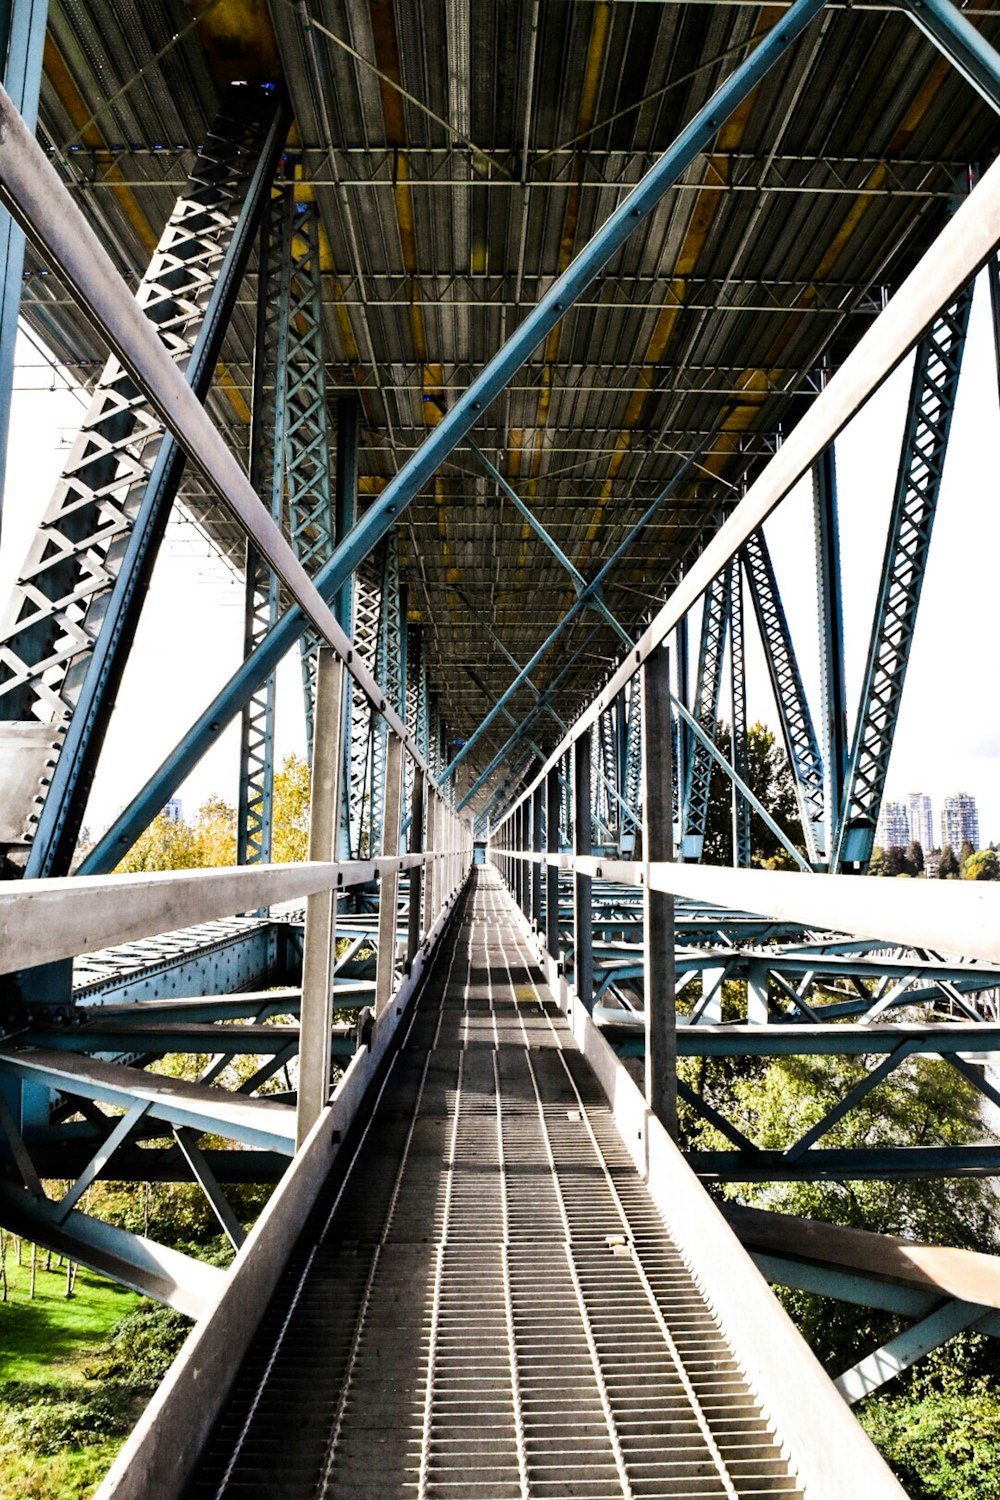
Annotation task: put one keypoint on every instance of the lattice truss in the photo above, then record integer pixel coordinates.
(714, 627)
(616, 771)
(290, 469)
(738, 738)
(101, 525)
(786, 682)
(380, 642)
(925, 443)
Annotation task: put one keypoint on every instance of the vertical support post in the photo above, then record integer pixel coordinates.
(738, 731)
(433, 883)
(319, 944)
(385, 972)
(583, 937)
(536, 849)
(658, 906)
(416, 846)
(757, 994)
(833, 682)
(344, 518)
(552, 795)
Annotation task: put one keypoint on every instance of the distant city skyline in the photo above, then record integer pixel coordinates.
(912, 821)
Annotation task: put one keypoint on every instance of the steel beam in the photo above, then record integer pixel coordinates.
(961, 43)
(833, 680)
(925, 443)
(658, 908)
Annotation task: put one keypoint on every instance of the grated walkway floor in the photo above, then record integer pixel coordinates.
(489, 1306)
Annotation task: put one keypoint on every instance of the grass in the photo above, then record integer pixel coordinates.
(47, 1337)
(58, 1435)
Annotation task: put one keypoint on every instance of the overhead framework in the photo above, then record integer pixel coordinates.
(481, 341)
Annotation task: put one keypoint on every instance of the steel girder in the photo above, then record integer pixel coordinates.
(786, 684)
(267, 475)
(833, 684)
(307, 430)
(75, 606)
(714, 626)
(738, 730)
(918, 484)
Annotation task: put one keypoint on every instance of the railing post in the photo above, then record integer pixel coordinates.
(385, 972)
(433, 884)
(417, 872)
(658, 906)
(536, 848)
(552, 871)
(583, 937)
(320, 941)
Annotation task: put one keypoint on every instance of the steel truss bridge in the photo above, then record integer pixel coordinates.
(481, 340)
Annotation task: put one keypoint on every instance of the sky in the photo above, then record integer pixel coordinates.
(948, 738)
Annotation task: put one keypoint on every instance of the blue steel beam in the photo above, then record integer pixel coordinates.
(698, 772)
(267, 475)
(738, 729)
(578, 605)
(961, 43)
(833, 680)
(634, 209)
(786, 684)
(220, 211)
(918, 484)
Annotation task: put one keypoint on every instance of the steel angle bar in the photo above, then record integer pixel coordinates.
(962, 248)
(31, 189)
(267, 475)
(907, 1347)
(786, 685)
(579, 604)
(830, 603)
(713, 755)
(961, 43)
(179, 1281)
(738, 728)
(708, 687)
(933, 390)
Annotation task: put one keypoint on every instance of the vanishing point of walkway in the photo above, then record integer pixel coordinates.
(488, 1305)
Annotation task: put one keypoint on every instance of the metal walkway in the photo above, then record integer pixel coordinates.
(488, 1304)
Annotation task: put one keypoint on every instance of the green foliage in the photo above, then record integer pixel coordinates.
(982, 866)
(948, 868)
(47, 1418)
(141, 1348)
(944, 1443)
(769, 777)
(211, 839)
(915, 857)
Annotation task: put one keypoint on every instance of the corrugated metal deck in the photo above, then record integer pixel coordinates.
(489, 1304)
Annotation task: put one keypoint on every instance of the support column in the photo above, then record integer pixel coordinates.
(389, 886)
(833, 680)
(416, 846)
(536, 848)
(320, 941)
(583, 935)
(658, 906)
(552, 942)
(345, 515)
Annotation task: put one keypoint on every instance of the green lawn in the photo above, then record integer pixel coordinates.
(47, 1337)
(58, 1432)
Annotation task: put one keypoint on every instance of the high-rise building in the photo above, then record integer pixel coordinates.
(921, 816)
(960, 821)
(893, 831)
(174, 811)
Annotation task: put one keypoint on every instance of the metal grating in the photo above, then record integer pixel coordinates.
(489, 1304)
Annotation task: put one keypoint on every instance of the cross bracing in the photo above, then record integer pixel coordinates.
(567, 298)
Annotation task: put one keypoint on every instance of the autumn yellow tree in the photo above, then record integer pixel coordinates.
(174, 844)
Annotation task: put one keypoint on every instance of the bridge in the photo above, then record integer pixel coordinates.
(481, 342)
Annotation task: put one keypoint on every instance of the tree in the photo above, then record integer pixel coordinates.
(173, 844)
(894, 861)
(982, 866)
(769, 777)
(947, 864)
(915, 857)
(965, 853)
